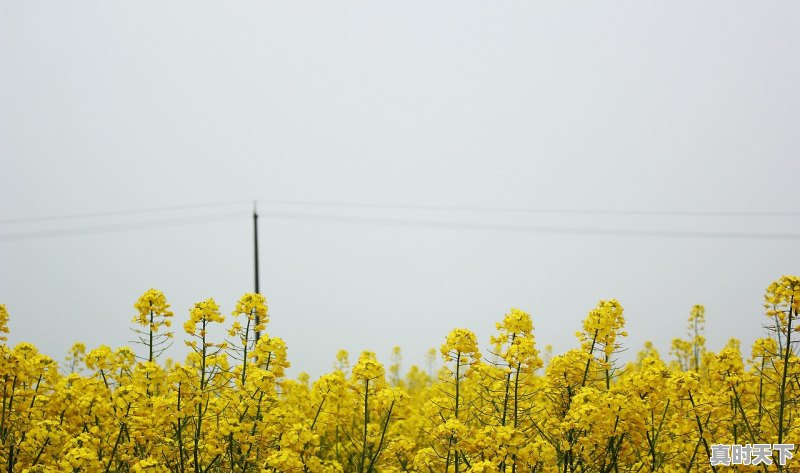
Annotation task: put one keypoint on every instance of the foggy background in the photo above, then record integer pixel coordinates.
(420, 166)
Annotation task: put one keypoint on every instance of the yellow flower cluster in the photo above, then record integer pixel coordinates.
(782, 296)
(3, 323)
(228, 407)
(202, 314)
(460, 343)
(254, 307)
(602, 327)
(152, 304)
(368, 368)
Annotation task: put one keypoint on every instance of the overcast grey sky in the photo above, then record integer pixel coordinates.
(644, 106)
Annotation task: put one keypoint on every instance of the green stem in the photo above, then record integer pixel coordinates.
(786, 355)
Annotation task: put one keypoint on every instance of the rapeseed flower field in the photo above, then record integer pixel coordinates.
(228, 406)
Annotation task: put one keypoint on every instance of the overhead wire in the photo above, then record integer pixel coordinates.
(542, 210)
(116, 213)
(525, 228)
(121, 227)
(415, 207)
(398, 222)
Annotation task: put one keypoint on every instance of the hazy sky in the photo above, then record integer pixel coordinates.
(611, 106)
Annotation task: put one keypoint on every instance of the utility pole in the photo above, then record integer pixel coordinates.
(255, 254)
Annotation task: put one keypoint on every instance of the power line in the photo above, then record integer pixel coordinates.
(115, 213)
(411, 223)
(460, 208)
(524, 228)
(420, 207)
(121, 227)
